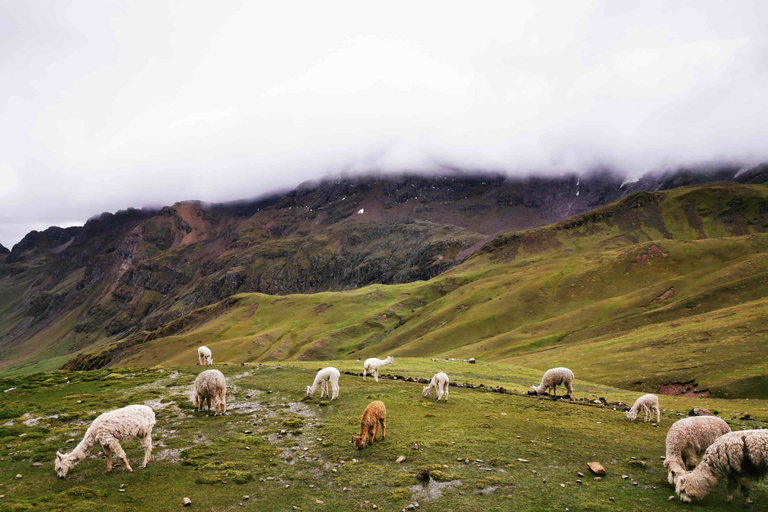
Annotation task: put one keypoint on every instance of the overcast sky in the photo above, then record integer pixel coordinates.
(110, 104)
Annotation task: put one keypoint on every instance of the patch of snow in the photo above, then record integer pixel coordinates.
(628, 181)
(361, 211)
(9, 389)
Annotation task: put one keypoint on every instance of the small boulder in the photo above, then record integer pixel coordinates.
(471, 360)
(400, 459)
(596, 468)
(186, 502)
(700, 411)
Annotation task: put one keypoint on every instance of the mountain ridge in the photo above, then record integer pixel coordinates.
(68, 290)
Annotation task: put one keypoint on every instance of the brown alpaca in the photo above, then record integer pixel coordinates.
(374, 414)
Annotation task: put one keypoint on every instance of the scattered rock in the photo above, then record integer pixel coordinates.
(581, 475)
(186, 502)
(471, 360)
(400, 459)
(596, 468)
(670, 498)
(414, 446)
(19, 477)
(700, 411)
(37, 464)
(523, 460)
(612, 498)
(624, 477)
(597, 479)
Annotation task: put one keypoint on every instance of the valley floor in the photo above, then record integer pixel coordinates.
(288, 452)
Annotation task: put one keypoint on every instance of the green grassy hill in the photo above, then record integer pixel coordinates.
(656, 288)
(282, 450)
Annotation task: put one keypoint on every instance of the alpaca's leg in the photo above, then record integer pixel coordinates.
(569, 386)
(325, 389)
(554, 390)
(146, 442)
(439, 393)
(200, 402)
(372, 432)
(745, 485)
(208, 401)
(115, 446)
(335, 387)
(658, 414)
(364, 371)
(733, 483)
(446, 393)
(223, 402)
(108, 453)
(376, 375)
(383, 428)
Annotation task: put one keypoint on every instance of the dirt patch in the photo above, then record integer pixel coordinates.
(432, 490)
(252, 310)
(666, 295)
(321, 307)
(687, 389)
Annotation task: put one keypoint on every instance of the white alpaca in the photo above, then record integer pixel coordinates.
(322, 378)
(649, 404)
(553, 378)
(210, 386)
(108, 430)
(687, 440)
(439, 382)
(739, 456)
(204, 356)
(372, 365)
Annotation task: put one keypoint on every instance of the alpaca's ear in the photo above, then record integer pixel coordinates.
(58, 455)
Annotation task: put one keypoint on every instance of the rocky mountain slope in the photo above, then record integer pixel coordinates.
(657, 288)
(63, 291)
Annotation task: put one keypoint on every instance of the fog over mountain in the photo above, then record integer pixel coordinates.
(108, 105)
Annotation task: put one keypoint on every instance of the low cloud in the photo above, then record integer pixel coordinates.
(109, 105)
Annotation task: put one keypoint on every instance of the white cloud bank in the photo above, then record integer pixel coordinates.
(107, 105)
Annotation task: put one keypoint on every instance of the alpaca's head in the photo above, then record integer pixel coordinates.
(61, 464)
(631, 415)
(426, 391)
(195, 400)
(359, 442)
(691, 485)
(309, 391)
(537, 389)
(390, 359)
(674, 468)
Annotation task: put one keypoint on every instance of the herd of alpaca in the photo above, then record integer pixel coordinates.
(739, 457)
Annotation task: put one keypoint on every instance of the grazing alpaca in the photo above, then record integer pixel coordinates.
(210, 386)
(108, 430)
(372, 365)
(553, 378)
(204, 356)
(738, 456)
(321, 380)
(687, 440)
(439, 382)
(374, 414)
(649, 404)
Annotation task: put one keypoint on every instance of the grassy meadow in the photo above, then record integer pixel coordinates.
(286, 452)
